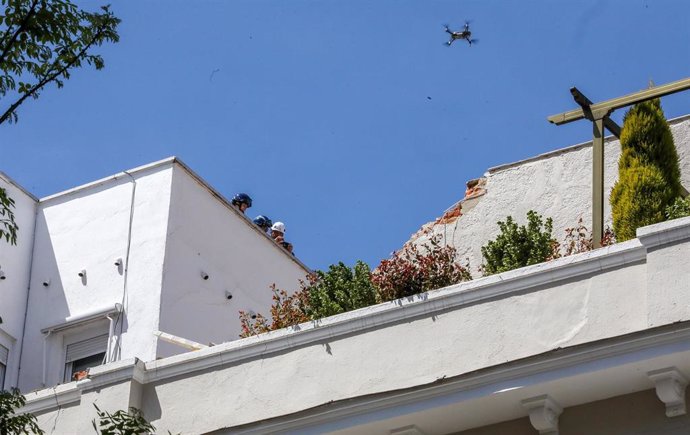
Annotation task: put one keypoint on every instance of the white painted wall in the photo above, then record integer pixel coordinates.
(556, 185)
(179, 227)
(88, 229)
(207, 234)
(15, 262)
(571, 304)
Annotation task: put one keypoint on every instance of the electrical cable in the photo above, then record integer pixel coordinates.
(118, 320)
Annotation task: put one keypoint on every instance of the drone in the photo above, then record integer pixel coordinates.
(465, 34)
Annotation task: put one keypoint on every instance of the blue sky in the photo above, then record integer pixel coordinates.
(350, 121)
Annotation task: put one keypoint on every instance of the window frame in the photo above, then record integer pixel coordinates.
(4, 362)
(81, 335)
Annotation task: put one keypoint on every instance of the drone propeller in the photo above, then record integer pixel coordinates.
(473, 41)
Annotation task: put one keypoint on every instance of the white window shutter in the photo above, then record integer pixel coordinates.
(83, 349)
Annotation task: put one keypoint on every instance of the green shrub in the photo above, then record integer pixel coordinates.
(680, 208)
(641, 202)
(340, 289)
(10, 421)
(519, 246)
(648, 172)
(121, 422)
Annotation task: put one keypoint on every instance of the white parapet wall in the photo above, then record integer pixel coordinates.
(576, 330)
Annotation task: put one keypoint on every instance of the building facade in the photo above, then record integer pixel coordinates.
(595, 343)
(99, 268)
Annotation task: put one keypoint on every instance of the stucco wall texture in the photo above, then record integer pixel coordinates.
(88, 230)
(205, 234)
(556, 184)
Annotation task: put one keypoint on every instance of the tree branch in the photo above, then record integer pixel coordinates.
(49, 78)
(20, 29)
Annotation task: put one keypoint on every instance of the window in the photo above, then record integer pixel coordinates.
(83, 355)
(4, 355)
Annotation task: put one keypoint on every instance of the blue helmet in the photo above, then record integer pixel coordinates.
(263, 222)
(241, 198)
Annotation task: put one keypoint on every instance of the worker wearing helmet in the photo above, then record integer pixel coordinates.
(263, 222)
(288, 247)
(278, 232)
(242, 201)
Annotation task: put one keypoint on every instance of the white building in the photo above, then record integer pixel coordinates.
(595, 343)
(99, 268)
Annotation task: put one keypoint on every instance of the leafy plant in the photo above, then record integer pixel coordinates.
(10, 421)
(42, 41)
(519, 246)
(340, 289)
(579, 239)
(8, 227)
(322, 294)
(286, 310)
(122, 423)
(648, 171)
(416, 269)
(680, 208)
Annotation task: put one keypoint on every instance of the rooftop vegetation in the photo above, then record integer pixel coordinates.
(648, 171)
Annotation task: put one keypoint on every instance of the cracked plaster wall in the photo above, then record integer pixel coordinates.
(556, 185)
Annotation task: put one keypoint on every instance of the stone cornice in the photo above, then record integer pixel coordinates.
(664, 232)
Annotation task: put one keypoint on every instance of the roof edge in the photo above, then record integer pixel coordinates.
(114, 177)
(225, 201)
(11, 181)
(568, 149)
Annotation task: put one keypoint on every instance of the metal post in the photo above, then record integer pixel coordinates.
(598, 182)
(599, 113)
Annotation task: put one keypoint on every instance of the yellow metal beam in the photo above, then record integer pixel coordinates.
(606, 107)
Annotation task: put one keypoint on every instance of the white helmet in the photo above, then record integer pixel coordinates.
(278, 226)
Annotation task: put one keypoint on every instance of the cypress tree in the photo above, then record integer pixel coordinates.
(648, 171)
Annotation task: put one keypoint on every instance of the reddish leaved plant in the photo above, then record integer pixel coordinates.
(286, 310)
(579, 239)
(417, 269)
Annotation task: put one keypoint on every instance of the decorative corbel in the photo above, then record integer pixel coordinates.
(407, 430)
(543, 414)
(670, 388)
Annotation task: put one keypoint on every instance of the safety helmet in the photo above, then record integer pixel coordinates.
(278, 226)
(262, 222)
(241, 198)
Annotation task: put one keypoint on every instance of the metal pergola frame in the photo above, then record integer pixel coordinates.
(599, 114)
